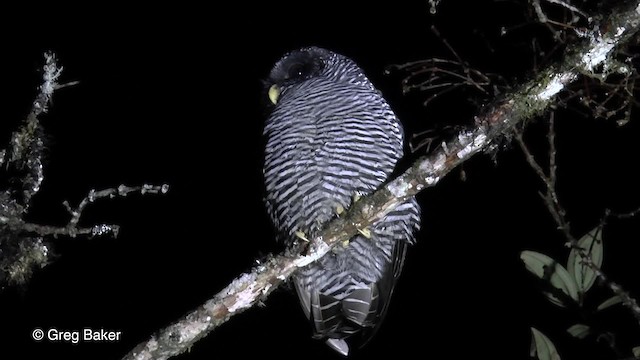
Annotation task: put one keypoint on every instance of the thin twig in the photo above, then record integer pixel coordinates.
(17, 225)
(121, 191)
(622, 216)
(570, 7)
(551, 135)
(446, 43)
(67, 84)
(542, 17)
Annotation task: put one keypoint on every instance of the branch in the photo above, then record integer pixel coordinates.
(25, 153)
(110, 193)
(17, 225)
(22, 246)
(569, 6)
(20, 255)
(497, 120)
(544, 19)
(628, 215)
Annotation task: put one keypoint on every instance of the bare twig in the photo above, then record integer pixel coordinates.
(542, 17)
(499, 119)
(72, 229)
(567, 24)
(67, 84)
(551, 135)
(551, 196)
(437, 33)
(26, 248)
(622, 216)
(619, 97)
(441, 73)
(438, 77)
(570, 7)
(433, 6)
(121, 191)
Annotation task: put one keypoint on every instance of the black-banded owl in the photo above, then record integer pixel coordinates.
(330, 138)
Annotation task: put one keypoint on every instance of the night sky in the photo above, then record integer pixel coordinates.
(174, 95)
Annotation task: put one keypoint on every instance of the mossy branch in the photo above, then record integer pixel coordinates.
(22, 245)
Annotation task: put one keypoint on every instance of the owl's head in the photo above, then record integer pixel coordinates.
(308, 64)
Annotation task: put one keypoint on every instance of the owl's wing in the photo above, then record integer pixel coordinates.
(363, 309)
(385, 288)
(403, 222)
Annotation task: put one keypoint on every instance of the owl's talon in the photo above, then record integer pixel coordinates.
(365, 232)
(301, 235)
(339, 210)
(345, 243)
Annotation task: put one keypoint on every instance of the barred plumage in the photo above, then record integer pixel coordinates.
(330, 137)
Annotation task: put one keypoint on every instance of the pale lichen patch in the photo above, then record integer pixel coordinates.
(598, 54)
(473, 146)
(244, 298)
(553, 87)
(318, 250)
(399, 188)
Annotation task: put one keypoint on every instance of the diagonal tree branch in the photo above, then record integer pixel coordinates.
(526, 102)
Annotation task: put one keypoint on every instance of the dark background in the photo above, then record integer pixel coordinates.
(174, 95)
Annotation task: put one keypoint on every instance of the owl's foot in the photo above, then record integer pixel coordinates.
(301, 235)
(356, 196)
(365, 232)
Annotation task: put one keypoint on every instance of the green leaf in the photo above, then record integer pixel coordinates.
(636, 352)
(542, 347)
(591, 243)
(610, 302)
(579, 331)
(548, 269)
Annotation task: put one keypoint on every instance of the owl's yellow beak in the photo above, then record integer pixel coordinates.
(274, 94)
